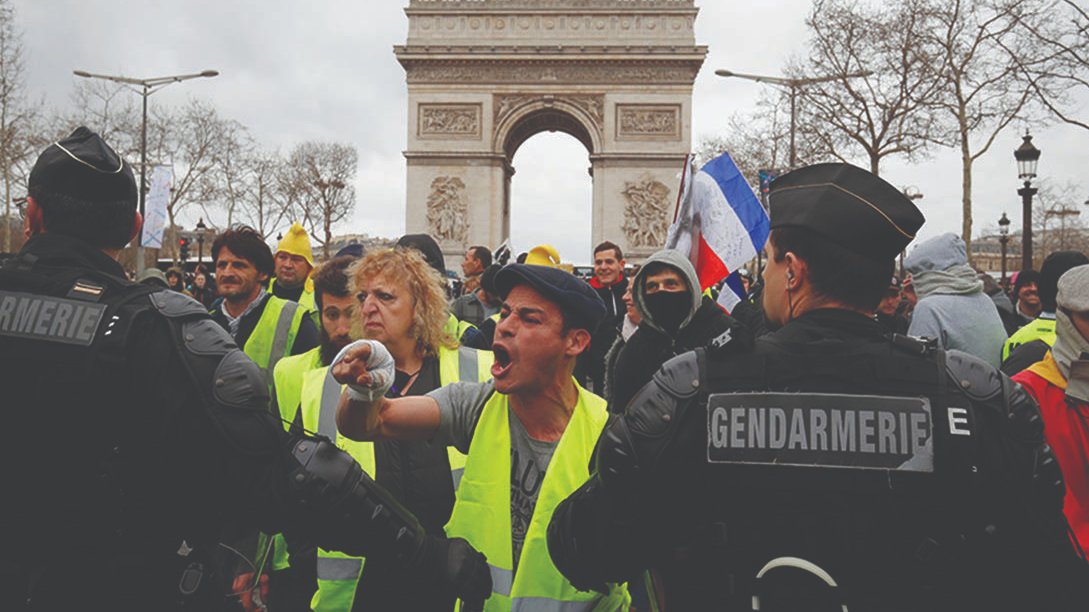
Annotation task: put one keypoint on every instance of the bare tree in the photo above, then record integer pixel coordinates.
(983, 91)
(17, 131)
(192, 140)
(760, 139)
(1056, 220)
(885, 111)
(1059, 71)
(109, 109)
(321, 176)
(269, 199)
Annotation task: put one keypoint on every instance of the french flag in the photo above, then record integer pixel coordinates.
(719, 223)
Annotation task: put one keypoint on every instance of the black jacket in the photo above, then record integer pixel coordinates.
(983, 530)
(590, 367)
(121, 457)
(649, 347)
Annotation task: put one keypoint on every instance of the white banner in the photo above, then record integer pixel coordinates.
(158, 196)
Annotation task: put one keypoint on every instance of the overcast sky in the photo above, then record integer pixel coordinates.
(324, 70)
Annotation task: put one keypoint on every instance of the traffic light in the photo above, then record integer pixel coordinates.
(183, 249)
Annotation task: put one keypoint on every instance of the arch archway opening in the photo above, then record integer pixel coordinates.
(551, 195)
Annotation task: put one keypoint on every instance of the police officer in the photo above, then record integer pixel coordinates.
(832, 466)
(136, 428)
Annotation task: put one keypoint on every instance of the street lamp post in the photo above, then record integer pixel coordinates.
(1026, 155)
(144, 87)
(794, 85)
(201, 228)
(1004, 238)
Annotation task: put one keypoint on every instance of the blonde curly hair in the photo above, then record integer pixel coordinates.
(430, 310)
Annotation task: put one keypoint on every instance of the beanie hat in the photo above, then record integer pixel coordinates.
(1053, 268)
(297, 242)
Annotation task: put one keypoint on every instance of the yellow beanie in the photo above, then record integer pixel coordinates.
(543, 255)
(297, 242)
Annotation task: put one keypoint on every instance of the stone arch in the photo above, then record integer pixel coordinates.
(483, 77)
(546, 113)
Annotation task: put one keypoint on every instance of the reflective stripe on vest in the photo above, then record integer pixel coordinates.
(337, 573)
(274, 334)
(482, 511)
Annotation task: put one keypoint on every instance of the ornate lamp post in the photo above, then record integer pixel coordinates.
(1004, 238)
(1026, 155)
(201, 228)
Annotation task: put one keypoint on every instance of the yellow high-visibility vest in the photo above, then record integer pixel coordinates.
(1036, 329)
(482, 511)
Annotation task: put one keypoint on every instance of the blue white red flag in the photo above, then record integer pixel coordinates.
(720, 223)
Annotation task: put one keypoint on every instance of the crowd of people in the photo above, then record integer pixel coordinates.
(281, 433)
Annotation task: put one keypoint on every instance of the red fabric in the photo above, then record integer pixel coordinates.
(596, 284)
(709, 267)
(1066, 429)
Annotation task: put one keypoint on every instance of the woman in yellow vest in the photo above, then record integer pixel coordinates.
(401, 301)
(529, 433)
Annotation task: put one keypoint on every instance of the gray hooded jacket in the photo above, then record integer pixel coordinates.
(952, 307)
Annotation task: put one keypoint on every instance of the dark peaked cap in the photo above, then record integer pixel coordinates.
(847, 205)
(85, 168)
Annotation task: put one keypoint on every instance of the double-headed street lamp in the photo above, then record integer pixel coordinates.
(1004, 239)
(1026, 155)
(144, 87)
(793, 85)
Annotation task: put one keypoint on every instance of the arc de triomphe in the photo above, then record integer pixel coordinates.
(485, 75)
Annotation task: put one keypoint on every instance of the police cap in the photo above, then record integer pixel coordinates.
(846, 205)
(83, 167)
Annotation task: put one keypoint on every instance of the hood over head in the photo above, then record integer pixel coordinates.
(678, 261)
(937, 254)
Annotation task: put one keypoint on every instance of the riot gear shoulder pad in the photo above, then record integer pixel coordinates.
(635, 442)
(680, 376)
(176, 305)
(976, 378)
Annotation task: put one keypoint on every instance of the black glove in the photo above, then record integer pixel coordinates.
(463, 571)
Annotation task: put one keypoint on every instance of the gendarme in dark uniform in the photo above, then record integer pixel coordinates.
(833, 466)
(136, 430)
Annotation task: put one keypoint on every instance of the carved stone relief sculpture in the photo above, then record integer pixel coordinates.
(646, 213)
(638, 121)
(447, 210)
(445, 120)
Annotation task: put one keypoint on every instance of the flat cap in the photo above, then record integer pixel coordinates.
(847, 205)
(1074, 289)
(579, 303)
(83, 167)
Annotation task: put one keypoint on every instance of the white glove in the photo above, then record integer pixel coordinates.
(379, 366)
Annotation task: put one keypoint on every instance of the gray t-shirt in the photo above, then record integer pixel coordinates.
(460, 407)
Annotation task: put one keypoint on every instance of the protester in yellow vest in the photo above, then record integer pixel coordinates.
(266, 327)
(1030, 343)
(401, 301)
(529, 434)
(294, 264)
(292, 581)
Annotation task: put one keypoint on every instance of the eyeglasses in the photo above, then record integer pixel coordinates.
(20, 204)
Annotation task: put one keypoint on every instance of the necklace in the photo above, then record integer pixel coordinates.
(411, 378)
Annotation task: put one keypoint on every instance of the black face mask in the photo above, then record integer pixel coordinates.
(668, 308)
